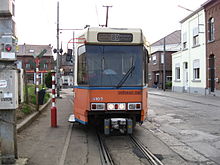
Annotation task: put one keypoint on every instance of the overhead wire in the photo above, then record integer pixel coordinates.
(97, 14)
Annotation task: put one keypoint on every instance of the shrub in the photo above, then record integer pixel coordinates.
(48, 80)
(169, 84)
(26, 109)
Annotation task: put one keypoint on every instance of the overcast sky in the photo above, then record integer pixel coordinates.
(36, 19)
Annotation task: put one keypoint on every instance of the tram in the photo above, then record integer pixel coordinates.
(111, 69)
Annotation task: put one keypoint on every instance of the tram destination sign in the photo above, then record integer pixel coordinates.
(115, 37)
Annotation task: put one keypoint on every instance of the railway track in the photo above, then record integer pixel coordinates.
(146, 152)
(106, 158)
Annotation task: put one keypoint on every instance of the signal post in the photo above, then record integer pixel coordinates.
(8, 83)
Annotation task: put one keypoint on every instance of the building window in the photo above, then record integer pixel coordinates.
(185, 65)
(185, 40)
(211, 29)
(196, 73)
(45, 66)
(154, 59)
(177, 71)
(149, 76)
(168, 78)
(28, 66)
(196, 36)
(19, 64)
(196, 40)
(162, 58)
(157, 78)
(196, 70)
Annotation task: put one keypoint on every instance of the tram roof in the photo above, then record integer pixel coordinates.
(126, 36)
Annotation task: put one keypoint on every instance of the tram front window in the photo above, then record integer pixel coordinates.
(109, 65)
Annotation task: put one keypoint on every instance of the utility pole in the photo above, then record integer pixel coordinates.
(58, 55)
(164, 64)
(73, 58)
(8, 83)
(107, 7)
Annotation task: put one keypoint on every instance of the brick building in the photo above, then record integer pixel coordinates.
(25, 60)
(172, 43)
(212, 19)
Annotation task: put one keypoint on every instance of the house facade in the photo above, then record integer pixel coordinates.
(189, 64)
(26, 61)
(157, 59)
(212, 20)
(67, 71)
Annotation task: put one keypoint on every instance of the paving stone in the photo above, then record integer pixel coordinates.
(207, 150)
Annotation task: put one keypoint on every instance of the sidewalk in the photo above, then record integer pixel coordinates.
(41, 143)
(202, 99)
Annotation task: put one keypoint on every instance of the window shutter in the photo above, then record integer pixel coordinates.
(196, 64)
(195, 31)
(184, 37)
(177, 65)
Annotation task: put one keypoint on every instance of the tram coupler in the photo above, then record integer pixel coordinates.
(123, 125)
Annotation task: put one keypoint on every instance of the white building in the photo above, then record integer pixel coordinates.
(189, 64)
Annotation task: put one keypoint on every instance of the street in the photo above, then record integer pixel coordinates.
(180, 129)
(191, 119)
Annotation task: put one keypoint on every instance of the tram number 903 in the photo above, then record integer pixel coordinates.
(97, 99)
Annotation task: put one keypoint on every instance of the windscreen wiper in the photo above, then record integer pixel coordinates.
(125, 77)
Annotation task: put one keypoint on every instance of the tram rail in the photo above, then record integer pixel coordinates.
(146, 152)
(106, 158)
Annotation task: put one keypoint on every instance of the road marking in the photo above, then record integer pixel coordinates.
(66, 145)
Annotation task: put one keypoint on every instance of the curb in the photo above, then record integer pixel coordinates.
(185, 99)
(26, 122)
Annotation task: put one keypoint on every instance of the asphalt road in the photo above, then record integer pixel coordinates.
(193, 120)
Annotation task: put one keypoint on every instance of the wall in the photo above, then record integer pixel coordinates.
(213, 47)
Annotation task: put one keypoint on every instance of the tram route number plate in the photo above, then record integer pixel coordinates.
(115, 37)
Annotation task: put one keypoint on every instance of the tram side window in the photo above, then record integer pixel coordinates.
(145, 61)
(82, 67)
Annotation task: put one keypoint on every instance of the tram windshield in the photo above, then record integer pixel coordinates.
(114, 66)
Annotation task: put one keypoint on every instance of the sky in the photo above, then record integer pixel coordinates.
(36, 19)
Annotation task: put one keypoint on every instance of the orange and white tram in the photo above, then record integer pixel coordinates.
(111, 79)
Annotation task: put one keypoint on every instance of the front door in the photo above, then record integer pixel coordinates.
(212, 73)
(185, 77)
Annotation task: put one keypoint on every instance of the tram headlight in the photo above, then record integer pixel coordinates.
(121, 106)
(116, 106)
(97, 106)
(134, 106)
(110, 106)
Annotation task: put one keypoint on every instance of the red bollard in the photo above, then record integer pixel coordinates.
(53, 117)
(53, 108)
